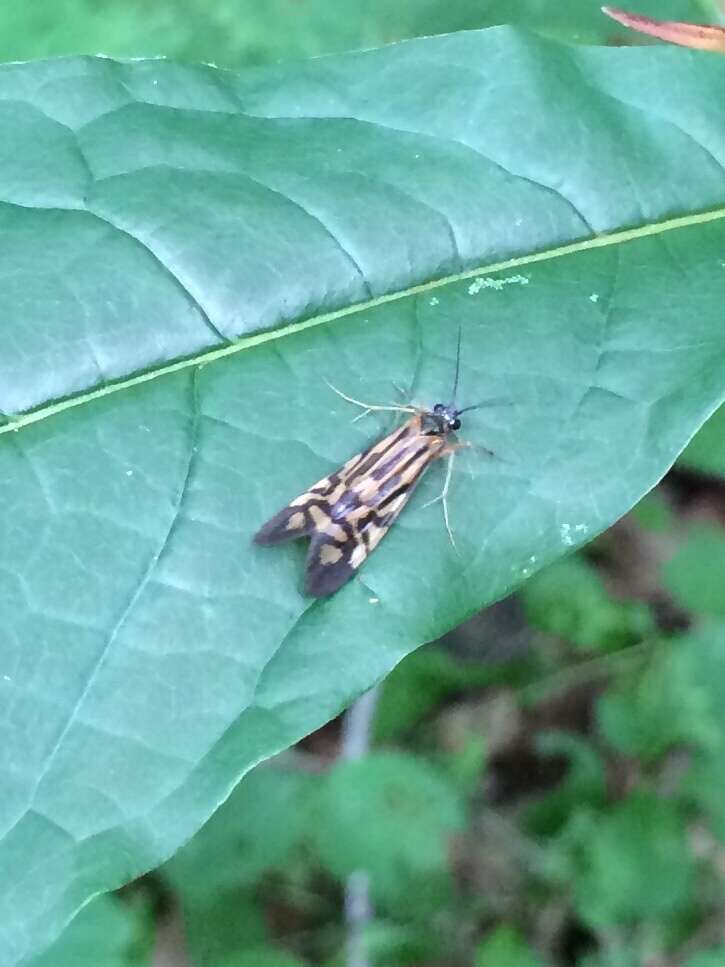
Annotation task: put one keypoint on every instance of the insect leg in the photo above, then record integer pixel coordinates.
(443, 495)
(481, 450)
(444, 501)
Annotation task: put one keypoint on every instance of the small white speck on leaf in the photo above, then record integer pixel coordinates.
(568, 531)
(434, 301)
(487, 282)
(594, 297)
(129, 473)
(373, 600)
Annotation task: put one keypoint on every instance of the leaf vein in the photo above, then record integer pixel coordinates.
(203, 314)
(47, 410)
(133, 599)
(349, 257)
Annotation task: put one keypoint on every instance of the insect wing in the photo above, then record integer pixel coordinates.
(335, 556)
(301, 517)
(347, 514)
(294, 520)
(376, 488)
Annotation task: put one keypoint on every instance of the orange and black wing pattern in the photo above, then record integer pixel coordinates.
(347, 514)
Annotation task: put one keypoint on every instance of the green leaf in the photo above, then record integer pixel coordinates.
(504, 947)
(419, 683)
(677, 698)
(187, 256)
(669, 701)
(706, 451)
(390, 815)
(707, 958)
(704, 781)
(235, 33)
(260, 957)
(390, 944)
(707, 650)
(695, 575)
(254, 831)
(569, 600)
(704, 784)
(581, 21)
(613, 958)
(215, 875)
(632, 862)
(465, 764)
(654, 513)
(106, 932)
(227, 924)
(583, 784)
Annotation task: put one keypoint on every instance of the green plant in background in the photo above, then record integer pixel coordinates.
(506, 948)
(706, 451)
(569, 600)
(189, 255)
(106, 931)
(235, 33)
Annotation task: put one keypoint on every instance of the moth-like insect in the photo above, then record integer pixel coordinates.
(347, 514)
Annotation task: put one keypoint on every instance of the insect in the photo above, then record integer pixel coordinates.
(347, 514)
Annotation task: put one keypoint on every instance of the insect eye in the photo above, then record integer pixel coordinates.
(455, 424)
(438, 408)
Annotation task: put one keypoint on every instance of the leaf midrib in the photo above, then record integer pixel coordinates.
(599, 241)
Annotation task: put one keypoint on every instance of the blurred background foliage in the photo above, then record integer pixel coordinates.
(547, 783)
(235, 33)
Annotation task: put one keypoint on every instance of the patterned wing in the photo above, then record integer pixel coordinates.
(339, 546)
(347, 514)
(378, 485)
(297, 519)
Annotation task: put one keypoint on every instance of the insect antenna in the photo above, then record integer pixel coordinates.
(458, 370)
(481, 405)
(474, 406)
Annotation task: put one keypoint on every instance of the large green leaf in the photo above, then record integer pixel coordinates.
(187, 256)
